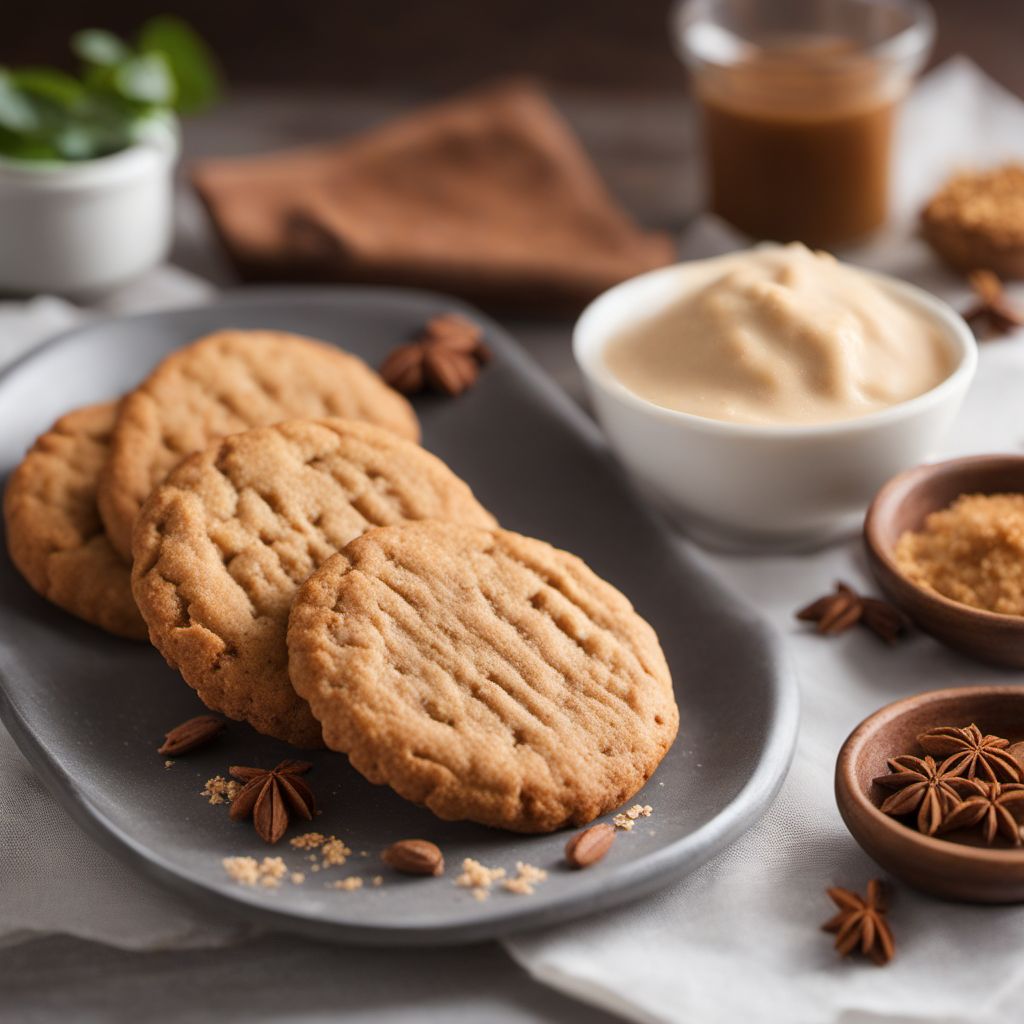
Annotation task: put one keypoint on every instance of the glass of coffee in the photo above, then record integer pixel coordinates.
(797, 100)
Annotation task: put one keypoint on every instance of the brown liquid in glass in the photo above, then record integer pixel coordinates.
(798, 140)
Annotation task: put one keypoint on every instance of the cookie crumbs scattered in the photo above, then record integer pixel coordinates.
(478, 876)
(297, 877)
(480, 895)
(248, 871)
(308, 841)
(335, 853)
(526, 877)
(168, 763)
(627, 819)
(349, 884)
(315, 868)
(219, 790)
(377, 881)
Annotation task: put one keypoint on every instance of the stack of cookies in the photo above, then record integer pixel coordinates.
(260, 509)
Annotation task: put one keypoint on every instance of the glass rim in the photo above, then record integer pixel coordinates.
(909, 45)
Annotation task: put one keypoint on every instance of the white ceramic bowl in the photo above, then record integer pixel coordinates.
(83, 228)
(740, 485)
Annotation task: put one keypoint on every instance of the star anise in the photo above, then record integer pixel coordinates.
(445, 356)
(861, 924)
(998, 808)
(835, 613)
(976, 755)
(270, 795)
(922, 785)
(992, 314)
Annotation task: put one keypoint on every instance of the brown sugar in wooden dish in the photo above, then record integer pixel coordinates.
(904, 504)
(956, 866)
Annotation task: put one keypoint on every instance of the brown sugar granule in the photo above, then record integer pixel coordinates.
(219, 790)
(477, 876)
(349, 884)
(308, 841)
(526, 877)
(334, 852)
(248, 871)
(971, 552)
(988, 202)
(628, 818)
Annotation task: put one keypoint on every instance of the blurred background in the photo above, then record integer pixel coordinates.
(422, 49)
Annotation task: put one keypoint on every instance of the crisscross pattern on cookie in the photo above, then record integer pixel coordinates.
(222, 546)
(225, 383)
(484, 674)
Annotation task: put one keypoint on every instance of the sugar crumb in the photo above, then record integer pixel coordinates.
(477, 876)
(308, 841)
(625, 820)
(334, 852)
(248, 871)
(527, 876)
(349, 884)
(219, 790)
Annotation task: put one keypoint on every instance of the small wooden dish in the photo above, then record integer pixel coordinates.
(902, 504)
(954, 868)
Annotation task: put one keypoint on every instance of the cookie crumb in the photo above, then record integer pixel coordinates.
(168, 763)
(349, 884)
(477, 876)
(627, 819)
(480, 895)
(526, 877)
(308, 841)
(334, 852)
(219, 790)
(297, 877)
(248, 871)
(377, 881)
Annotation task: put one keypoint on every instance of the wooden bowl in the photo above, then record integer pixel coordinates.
(957, 868)
(902, 504)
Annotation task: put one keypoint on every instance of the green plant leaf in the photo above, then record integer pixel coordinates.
(49, 83)
(100, 47)
(191, 60)
(146, 79)
(21, 148)
(18, 114)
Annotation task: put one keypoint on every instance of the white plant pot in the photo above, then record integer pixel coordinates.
(83, 228)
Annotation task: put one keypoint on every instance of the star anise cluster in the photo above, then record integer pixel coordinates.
(445, 356)
(837, 612)
(271, 796)
(976, 785)
(992, 315)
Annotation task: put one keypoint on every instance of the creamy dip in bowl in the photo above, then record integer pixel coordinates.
(764, 396)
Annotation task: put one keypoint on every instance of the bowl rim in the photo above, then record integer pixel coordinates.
(915, 477)
(845, 777)
(589, 342)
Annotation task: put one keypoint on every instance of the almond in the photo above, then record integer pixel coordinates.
(414, 857)
(589, 846)
(191, 734)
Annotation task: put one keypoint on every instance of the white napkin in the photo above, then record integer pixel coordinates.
(738, 940)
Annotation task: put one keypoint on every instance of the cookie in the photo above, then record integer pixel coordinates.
(976, 221)
(54, 534)
(224, 543)
(228, 382)
(484, 674)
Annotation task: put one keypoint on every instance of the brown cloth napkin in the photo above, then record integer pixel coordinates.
(489, 196)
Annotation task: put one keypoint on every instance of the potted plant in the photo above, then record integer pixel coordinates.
(86, 163)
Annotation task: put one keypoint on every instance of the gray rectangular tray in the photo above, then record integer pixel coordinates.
(89, 710)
